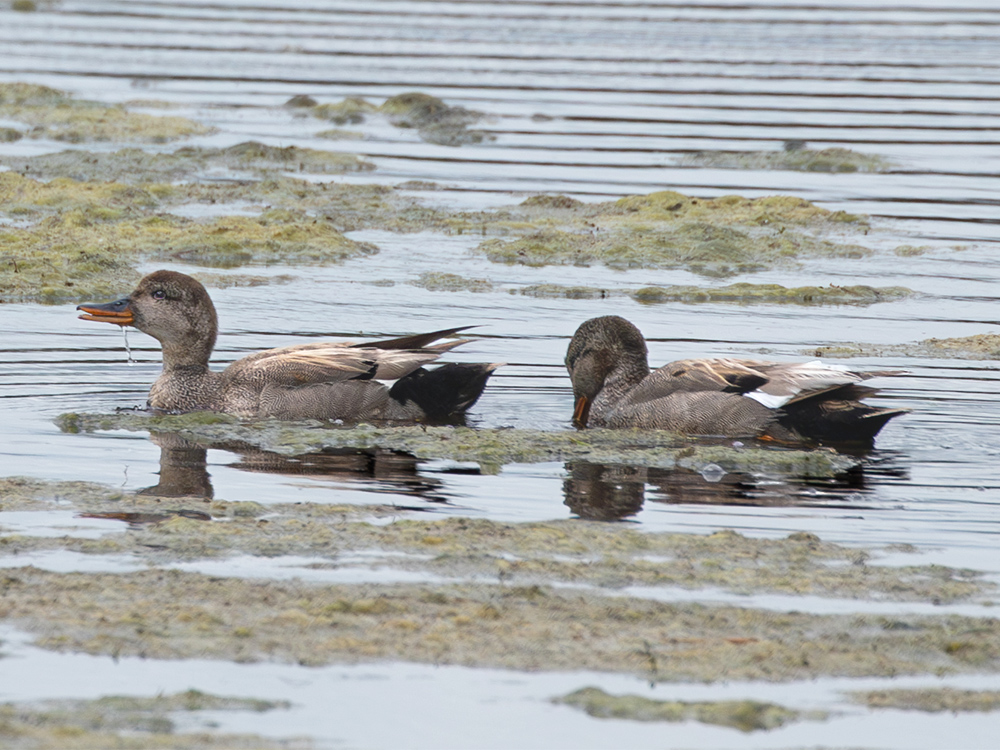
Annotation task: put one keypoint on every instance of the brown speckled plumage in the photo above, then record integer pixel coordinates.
(614, 387)
(309, 381)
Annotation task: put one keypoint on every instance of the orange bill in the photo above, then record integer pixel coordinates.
(117, 312)
(581, 412)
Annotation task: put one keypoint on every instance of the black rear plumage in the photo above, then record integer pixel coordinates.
(833, 418)
(444, 394)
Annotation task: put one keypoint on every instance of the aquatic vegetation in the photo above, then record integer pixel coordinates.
(745, 715)
(978, 346)
(493, 598)
(167, 528)
(350, 111)
(931, 700)
(136, 166)
(128, 723)
(339, 134)
(799, 158)
(451, 282)
(742, 293)
(171, 614)
(715, 237)
(57, 115)
(491, 448)
(435, 121)
(76, 256)
(555, 291)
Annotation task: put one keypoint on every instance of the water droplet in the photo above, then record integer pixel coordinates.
(128, 349)
(712, 472)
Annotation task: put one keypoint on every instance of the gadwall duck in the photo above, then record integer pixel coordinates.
(790, 402)
(310, 381)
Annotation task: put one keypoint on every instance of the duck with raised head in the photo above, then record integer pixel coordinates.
(799, 402)
(310, 381)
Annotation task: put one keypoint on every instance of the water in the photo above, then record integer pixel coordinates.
(595, 100)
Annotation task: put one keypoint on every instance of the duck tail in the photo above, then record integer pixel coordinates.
(441, 395)
(843, 421)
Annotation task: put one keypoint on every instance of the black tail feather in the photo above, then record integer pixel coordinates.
(443, 394)
(836, 421)
(416, 341)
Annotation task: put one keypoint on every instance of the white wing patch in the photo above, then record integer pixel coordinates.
(793, 381)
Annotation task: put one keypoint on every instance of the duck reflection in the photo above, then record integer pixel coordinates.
(611, 492)
(184, 471)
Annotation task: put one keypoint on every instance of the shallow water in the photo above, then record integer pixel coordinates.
(623, 91)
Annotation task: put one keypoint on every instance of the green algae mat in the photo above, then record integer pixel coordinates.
(491, 448)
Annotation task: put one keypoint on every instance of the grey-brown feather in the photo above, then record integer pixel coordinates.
(609, 370)
(322, 380)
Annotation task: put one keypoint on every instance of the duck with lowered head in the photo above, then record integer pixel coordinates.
(787, 401)
(309, 381)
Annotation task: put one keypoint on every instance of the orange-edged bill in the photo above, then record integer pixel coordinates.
(117, 312)
(581, 412)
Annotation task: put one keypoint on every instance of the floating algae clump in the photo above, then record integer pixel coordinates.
(834, 159)
(99, 201)
(437, 281)
(101, 196)
(351, 111)
(166, 525)
(932, 700)
(979, 346)
(492, 448)
(133, 165)
(127, 723)
(747, 716)
(743, 293)
(57, 115)
(435, 121)
(173, 614)
(554, 291)
(73, 257)
(715, 237)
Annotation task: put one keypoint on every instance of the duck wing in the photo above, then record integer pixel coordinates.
(790, 382)
(773, 384)
(698, 375)
(310, 364)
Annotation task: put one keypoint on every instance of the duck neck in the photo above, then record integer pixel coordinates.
(186, 383)
(187, 356)
(626, 375)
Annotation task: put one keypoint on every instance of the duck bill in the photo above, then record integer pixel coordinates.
(119, 312)
(581, 412)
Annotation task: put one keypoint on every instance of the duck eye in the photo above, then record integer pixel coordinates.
(159, 294)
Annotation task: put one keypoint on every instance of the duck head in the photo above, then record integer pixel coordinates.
(600, 347)
(171, 307)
